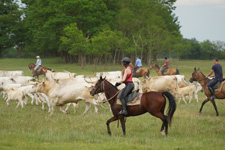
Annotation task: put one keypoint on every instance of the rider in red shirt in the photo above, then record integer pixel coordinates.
(129, 85)
(165, 66)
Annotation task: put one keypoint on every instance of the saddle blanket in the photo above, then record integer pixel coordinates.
(218, 89)
(135, 101)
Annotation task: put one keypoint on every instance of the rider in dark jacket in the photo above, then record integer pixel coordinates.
(127, 80)
(217, 69)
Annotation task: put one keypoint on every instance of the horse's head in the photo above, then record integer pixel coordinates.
(153, 65)
(98, 88)
(31, 66)
(131, 65)
(195, 75)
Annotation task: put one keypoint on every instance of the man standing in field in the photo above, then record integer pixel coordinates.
(217, 69)
(137, 65)
(165, 66)
(38, 64)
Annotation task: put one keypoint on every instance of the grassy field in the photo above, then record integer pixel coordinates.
(32, 129)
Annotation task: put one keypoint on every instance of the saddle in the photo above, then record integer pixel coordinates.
(165, 70)
(133, 98)
(39, 68)
(135, 70)
(218, 86)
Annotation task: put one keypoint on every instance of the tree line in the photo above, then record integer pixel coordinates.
(97, 31)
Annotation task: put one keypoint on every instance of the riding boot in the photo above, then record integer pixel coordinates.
(124, 106)
(162, 72)
(35, 72)
(212, 93)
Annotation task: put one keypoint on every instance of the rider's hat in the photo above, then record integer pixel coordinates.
(37, 56)
(126, 60)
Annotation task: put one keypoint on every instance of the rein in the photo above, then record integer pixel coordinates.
(205, 79)
(103, 83)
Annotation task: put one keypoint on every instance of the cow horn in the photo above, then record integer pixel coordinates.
(87, 81)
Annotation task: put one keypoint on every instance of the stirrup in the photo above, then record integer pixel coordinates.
(212, 97)
(123, 112)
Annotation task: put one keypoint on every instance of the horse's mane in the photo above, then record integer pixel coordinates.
(202, 73)
(111, 84)
(157, 65)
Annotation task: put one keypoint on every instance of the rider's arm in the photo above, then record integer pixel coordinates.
(211, 72)
(124, 76)
(36, 62)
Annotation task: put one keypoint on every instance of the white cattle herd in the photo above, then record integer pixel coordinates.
(61, 88)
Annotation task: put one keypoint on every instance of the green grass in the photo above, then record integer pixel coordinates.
(32, 128)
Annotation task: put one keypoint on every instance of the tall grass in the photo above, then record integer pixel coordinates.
(31, 128)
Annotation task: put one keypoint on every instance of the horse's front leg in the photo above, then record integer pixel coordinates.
(122, 120)
(214, 104)
(203, 103)
(114, 118)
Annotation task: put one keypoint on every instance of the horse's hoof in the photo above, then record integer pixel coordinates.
(67, 112)
(200, 113)
(163, 133)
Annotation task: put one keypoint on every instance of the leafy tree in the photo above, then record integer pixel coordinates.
(9, 23)
(74, 42)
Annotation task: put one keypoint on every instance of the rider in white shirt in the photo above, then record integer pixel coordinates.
(38, 64)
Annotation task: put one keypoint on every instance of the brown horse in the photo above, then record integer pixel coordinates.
(152, 102)
(197, 75)
(40, 71)
(170, 71)
(141, 72)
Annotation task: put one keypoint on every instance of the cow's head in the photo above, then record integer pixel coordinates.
(98, 88)
(194, 76)
(41, 86)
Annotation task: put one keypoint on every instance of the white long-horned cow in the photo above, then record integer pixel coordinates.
(10, 73)
(59, 75)
(60, 94)
(160, 84)
(186, 91)
(109, 75)
(24, 80)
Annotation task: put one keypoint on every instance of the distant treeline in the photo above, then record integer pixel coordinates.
(97, 31)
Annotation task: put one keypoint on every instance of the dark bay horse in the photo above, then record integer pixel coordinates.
(197, 75)
(170, 71)
(40, 71)
(141, 72)
(151, 102)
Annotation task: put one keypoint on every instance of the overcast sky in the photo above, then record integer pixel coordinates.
(202, 19)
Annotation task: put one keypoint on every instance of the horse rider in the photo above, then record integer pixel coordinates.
(38, 64)
(165, 66)
(217, 69)
(137, 65)
(129, 85)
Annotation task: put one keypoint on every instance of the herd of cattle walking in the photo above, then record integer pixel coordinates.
(61, 88)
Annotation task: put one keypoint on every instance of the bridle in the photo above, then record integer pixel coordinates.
(205, 79)
(102, 84)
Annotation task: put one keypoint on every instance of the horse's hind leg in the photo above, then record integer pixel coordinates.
(214, 104)
(203, 103)
(163, 125)
(164, 120)
(122, 121)
(114, 118)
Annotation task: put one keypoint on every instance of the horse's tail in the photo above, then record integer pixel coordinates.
(172, 106)
(148, 73)
(177, 71)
